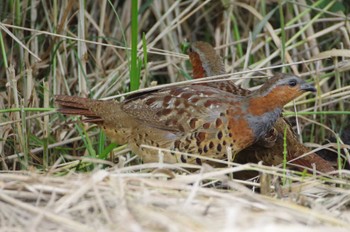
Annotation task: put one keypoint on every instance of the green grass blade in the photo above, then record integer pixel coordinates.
(134, 70)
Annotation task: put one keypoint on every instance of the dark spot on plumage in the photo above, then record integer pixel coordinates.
(167, 99)
(219, 135)
(206, 125)
(228, 128)
(193, 122)
(177, 143)
(219, 147)
(207, 103)
(222, 114)
(177, 102)
(104, 127)
(186, 95)
(211, 145)
(183, 159)
(198, 143)
(200, 136)
(224, 143)
(205, 149)
(230, 135)
(194, 99)
(198, 161)
(186, 146)
(200, 150)
(218, 122)
(146, 135)
(164, 112)
(181, 128)
(176, 92)
(172, 153)
(150, 101)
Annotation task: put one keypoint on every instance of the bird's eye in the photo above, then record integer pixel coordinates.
(292, 83)
(189, 50)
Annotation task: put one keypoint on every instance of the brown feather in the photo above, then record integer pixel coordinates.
(71, 105)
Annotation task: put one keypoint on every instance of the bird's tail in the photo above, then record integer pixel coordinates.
(72, 105)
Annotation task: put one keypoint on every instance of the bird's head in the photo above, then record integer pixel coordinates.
(204, 60)
(278, 91)
(284, 88)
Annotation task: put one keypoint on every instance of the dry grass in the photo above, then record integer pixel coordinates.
(117, 200)
(74, 182)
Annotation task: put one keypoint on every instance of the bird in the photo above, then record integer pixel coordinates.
(269, 149)
(190, 118)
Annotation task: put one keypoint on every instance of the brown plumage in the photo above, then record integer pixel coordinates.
(194, 119)
(269, 148)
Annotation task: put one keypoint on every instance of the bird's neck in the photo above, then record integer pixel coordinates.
(264, 110)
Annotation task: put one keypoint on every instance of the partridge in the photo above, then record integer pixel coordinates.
(193, 119)
(269, 148)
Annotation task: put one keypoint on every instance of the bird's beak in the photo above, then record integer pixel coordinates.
(307, 87)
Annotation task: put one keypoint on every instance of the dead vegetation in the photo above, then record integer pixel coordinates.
(65, 176)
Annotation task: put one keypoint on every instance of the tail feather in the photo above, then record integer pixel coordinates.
(72, 105)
